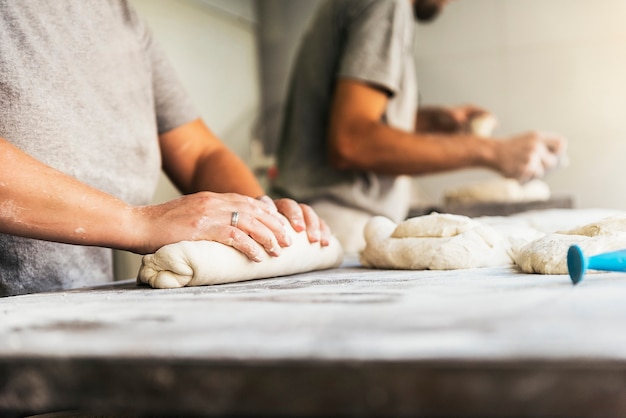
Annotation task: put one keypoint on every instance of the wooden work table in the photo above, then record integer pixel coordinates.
(342, 342)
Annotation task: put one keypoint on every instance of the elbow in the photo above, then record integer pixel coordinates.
(348, 148)
(339, 153)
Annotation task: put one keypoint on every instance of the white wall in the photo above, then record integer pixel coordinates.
(280, 27)
(214, 54)
(556, 65)
(212, 47)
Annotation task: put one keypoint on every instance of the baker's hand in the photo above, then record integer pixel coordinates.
(530, 155)
(249, 225)
(301, 217)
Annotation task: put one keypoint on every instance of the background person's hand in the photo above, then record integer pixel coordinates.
(529, 155)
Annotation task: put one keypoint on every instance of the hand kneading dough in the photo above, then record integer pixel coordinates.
(435, 242)
(199, 263)
(500, 190)
(548, 255)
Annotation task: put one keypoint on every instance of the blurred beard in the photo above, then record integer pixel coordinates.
(426, 10)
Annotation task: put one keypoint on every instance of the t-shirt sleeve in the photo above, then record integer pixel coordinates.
(375, 45)
(173, 106)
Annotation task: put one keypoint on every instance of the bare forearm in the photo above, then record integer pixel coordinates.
(37, 201)
(43, 203)
(386, 150)
(224, 172)
(197, 160)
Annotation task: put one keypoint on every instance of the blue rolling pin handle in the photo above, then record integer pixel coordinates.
(578, 263)
(613, 261)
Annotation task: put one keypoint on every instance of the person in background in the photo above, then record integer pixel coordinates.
(352, 130)
(90, 112)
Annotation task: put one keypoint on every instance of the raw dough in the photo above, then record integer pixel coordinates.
(435, 242)
(483, 125)
(444, 241)
(499, 190)
(434, 225)
(198, 263)
(548, 255)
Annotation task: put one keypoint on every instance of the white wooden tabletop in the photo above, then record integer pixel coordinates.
(348, 341)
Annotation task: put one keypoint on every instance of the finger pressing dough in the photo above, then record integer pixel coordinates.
(499, 190)
(433, 242)
(199, 263)
(548, 255)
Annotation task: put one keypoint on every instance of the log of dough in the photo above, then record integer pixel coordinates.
(433, 242)
(499, 190)
(548, 255)
(199, 263)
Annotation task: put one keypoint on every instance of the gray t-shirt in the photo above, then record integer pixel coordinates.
(370, 41)
(84, 89)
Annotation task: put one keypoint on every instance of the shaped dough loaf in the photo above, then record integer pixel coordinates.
(499, 190)
(548, 255)
(435, 242)
(199, 263)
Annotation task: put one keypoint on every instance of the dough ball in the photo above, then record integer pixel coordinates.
(499, 190)
(433, 225)
(548, 255)
(483, 125)
(607, 226)
(433, 242)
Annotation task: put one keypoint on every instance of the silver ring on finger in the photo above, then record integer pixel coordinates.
(234, 219)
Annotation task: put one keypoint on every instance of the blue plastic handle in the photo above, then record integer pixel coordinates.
(578, 263)
(614, 261)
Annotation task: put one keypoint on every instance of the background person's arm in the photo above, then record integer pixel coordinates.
(359, 140)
